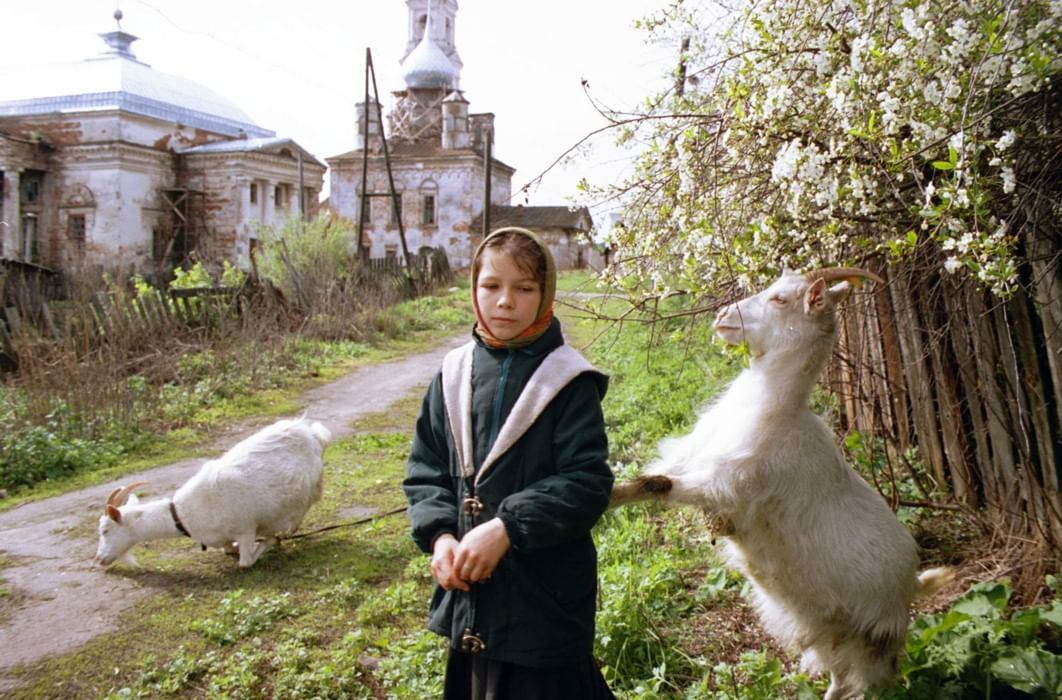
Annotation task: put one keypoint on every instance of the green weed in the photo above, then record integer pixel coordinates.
(979, 649)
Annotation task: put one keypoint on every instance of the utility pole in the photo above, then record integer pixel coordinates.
(363, 203)
(302, 189)
(488, 137)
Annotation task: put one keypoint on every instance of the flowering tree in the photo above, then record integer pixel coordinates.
(922, 139)
(819, 131)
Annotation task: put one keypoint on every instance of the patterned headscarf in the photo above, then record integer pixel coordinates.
(545, 306)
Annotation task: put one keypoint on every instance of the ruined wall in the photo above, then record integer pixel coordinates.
(108, 169)
(225, 210)
(120, 183)
(455, 179)
(17, 155)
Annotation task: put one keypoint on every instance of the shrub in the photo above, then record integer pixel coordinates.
(978, 650)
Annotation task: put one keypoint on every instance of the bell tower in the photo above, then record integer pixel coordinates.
(443, 19)
(431, 71)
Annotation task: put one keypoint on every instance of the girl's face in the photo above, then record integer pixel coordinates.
(508, 297)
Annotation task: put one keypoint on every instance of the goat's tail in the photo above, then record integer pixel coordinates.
(932, 580)
(321, 432)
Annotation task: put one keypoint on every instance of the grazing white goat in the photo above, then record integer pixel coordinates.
(256, 492)
(833, 572)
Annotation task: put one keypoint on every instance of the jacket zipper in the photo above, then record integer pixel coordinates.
(499, 395)
(470, 641)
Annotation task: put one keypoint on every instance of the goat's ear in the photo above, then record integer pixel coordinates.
(840, 291)
(114, 514)
(815, 298)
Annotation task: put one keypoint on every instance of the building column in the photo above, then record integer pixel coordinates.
(293, 200)
(11, 225)
(269, 215)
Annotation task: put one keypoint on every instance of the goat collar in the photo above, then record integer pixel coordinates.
(177, 519)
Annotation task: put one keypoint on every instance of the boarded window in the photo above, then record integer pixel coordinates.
(30, 250)
(365, 204)
(31, 187)
(76, 230)
(254, 193)
(395, 208)
(159, 244)
(429, 203)
(428, 212)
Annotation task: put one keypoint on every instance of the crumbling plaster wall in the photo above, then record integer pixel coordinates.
(458, 181)
(124, 181)
(122, 160)
(230, 217)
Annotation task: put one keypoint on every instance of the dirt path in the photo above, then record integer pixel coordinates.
(60, 600)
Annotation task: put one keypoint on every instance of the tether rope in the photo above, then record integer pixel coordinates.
(359, 521)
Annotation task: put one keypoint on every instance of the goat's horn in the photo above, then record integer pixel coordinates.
(119, 496)
(830, 274)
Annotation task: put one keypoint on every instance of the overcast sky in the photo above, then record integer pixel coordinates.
(298, 67)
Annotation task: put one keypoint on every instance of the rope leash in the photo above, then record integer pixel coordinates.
(351, 523)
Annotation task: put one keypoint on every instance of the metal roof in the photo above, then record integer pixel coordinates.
(571, 218)
(254, 145)
(117, 80)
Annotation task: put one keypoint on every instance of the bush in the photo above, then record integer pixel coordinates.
(979, 650)
(33, 453)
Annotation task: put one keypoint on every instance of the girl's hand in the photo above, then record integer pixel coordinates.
(478, 554)
(442, 563)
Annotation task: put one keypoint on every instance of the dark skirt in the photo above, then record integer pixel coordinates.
(472, 677)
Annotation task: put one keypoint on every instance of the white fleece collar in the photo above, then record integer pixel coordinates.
(561, 366)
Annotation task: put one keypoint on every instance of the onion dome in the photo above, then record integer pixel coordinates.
(427, 66)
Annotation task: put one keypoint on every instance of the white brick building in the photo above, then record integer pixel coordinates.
(436, 149)
(109, 164)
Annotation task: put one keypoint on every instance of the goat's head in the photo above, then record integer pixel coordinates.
(794, 312)
(116, 535)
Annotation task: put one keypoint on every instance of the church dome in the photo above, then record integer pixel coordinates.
(427, 66)
(117, 80)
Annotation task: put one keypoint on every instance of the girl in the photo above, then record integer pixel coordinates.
(506, 477)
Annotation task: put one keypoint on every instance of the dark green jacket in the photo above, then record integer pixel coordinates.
(549, 489)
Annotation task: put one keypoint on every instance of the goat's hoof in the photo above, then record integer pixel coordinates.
(656, 484)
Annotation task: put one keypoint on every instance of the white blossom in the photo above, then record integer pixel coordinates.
(1009, 184)
(931, 92)
(786, 161)
(911, 25)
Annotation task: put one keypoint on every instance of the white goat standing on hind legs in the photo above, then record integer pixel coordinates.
(244, 501)
(833, 572)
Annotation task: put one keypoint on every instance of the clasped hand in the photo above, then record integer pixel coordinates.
(457, 564)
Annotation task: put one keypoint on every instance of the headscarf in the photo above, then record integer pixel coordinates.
(545, 306)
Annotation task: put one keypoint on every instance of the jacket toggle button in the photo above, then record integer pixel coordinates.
(472, 507)
(471, 643)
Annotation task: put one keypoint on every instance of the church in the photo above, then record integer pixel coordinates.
(439, 158)
(108, 164)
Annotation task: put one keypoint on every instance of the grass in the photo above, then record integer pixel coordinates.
(318, 603)
(341, 614)
(411, 327)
